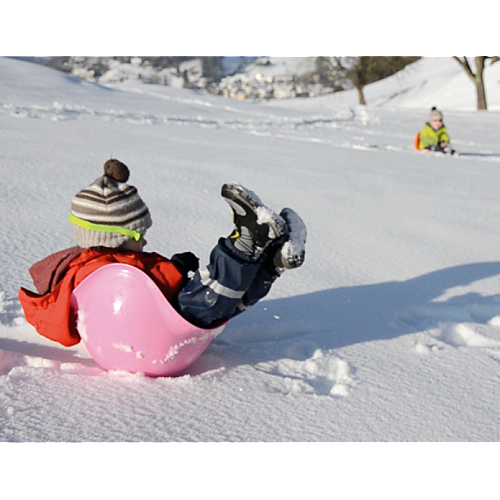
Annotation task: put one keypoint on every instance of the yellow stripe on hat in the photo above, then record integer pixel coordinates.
(105, 229)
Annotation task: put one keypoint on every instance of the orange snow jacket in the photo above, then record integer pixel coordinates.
(50, 312)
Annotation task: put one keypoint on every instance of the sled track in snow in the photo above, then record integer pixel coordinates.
(66, 112)
(285, 128)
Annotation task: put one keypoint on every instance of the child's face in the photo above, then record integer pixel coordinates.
(436, 123)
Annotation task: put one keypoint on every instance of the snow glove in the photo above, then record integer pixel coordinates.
(185, 262)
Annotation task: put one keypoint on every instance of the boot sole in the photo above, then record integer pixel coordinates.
(234, 193)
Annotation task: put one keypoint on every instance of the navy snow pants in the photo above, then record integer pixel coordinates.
(230, 284)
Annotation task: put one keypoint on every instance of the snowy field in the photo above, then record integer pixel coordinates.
(390, 332)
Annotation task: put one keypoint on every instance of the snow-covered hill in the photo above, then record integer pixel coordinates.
(390, 332)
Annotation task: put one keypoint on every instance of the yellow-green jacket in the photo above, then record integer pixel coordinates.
(431, 137)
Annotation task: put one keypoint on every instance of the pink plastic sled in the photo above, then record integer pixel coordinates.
(126, 323)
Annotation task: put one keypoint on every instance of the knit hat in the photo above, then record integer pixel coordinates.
(435, 113)
(109, 212)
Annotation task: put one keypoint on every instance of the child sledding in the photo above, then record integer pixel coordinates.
(109, 221)
(434, 135)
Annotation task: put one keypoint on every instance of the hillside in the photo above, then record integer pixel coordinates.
(389, 333)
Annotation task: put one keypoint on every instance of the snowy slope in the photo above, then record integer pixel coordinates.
(432, 81)
(390, 331)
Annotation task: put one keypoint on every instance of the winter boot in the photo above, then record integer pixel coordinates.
(256, 224)
(292, 252)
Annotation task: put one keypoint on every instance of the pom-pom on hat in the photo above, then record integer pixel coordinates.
(109, 212)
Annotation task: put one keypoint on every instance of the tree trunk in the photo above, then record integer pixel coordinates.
(479, 80)
(361, 96)
(477, 77)
(481, 95)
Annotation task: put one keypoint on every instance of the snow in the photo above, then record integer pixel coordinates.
(389, 332)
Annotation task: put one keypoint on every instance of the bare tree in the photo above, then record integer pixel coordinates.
(360, 73)
(477, 77)
(359, 70)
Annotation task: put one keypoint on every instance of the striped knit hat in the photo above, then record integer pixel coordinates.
(109, 212)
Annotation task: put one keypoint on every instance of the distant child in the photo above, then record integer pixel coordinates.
(108, 222)
(434, 135)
